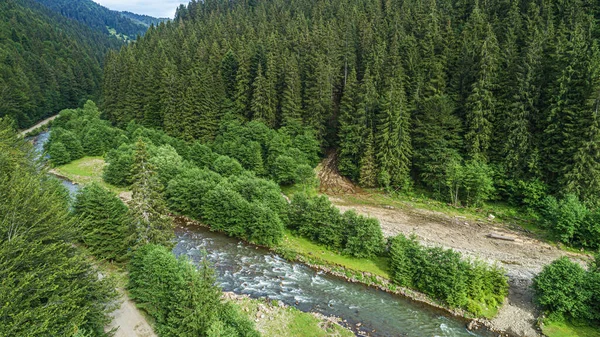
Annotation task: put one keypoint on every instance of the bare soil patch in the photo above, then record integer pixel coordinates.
(331, 181)
(129, 321)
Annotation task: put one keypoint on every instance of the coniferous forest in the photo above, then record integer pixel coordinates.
(47, 62)
(220, 118)
(469, 100)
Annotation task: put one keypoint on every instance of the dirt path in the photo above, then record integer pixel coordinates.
(40, 124)
(522, 258)
(129, 321)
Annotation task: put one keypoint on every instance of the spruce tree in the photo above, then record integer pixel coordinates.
(352, 129)
(262, 107)
(481, 103)
(291, 98)
(368, 166)
(150, 217)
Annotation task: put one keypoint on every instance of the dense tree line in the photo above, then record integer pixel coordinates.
(445, 275)
(101, 18)
(47, 62)
(47, 286)
(465, 99)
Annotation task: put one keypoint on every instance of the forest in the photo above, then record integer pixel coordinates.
(47, 62)
(467, 101)
(101, 18)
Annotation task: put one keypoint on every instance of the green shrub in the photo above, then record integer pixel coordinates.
(364, 236)
(118, 172)
(186, 191)
(560, 288)
(226, 166)
(201, 155)
(167, 162)
(564, 217)
(318, 220)
(58, 154)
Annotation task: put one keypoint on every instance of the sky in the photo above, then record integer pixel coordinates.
(156, 8)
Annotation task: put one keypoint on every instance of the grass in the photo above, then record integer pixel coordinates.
(85, 171)
(274, 321)
(376, 266)
(568, 329)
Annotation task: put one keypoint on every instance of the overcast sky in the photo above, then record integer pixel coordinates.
(156, 8)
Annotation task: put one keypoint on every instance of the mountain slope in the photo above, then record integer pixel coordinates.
(47, 62)
(101, 18)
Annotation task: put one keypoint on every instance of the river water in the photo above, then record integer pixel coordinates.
(245, 269)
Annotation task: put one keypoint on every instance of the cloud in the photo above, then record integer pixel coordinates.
(156, 8)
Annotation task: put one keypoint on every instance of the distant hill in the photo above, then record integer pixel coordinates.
(125, 25)
(47, 62)
(144, 19)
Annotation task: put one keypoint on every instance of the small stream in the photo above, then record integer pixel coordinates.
(245, 269)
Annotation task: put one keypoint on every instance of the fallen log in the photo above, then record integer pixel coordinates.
(499, 237)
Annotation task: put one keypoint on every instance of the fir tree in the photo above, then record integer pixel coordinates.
(482, 101)
(262, 107)
(352, 127)
(149, 213)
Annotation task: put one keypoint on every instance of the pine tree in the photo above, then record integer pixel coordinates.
(149, 213)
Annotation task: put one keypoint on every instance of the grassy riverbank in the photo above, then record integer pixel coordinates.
(566, 329)
(271, 320)
(374, 272)
(85, 171)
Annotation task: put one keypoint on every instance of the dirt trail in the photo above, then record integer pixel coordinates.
(40, 124)
(522, 258)
(129, 321)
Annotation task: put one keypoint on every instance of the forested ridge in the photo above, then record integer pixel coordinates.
(468, 100)
(47, 62)
(101, 18)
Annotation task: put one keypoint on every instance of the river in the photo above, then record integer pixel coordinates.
(245, 269)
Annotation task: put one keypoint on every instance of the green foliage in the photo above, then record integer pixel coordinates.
(226, 166)
(470, 183)
(148, 210)
(167, 163)
(444, 275)
(364, 238)
(564, 217)
(58, 154)
(47, 286)
(105, 226)
(118, 172)
(182, 300)
(186, 191)
(561, 289)
(318, 220)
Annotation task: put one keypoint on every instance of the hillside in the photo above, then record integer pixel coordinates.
(101, 18)
(47, 62)
(466, 102)
(143, 19)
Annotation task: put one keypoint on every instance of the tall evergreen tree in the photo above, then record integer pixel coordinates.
(149, 213)
(352, 129)
(482, 101)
